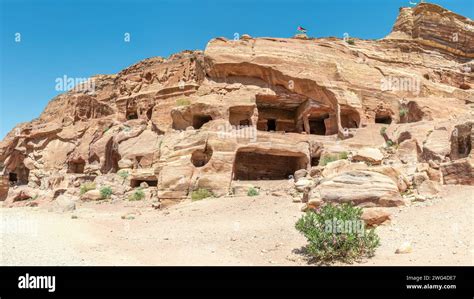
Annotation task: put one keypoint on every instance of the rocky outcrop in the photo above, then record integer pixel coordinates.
(4, 186)
(458, 172)
(259, 109)
(361, 188)
(435, 26)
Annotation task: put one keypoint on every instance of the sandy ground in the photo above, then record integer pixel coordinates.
(223, 231)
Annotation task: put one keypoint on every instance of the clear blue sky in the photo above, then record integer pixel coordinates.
(83, 38)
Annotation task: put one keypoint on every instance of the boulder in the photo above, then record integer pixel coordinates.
(460, 172)
(316, 171)
(428, 188)
(91, 195)
(419, 178)
(300, 174)
(64, 203)
(315, 203)
(409, 152)
(375, 216)
(302, 184)
(341, 166)
(23, 194)
(437, 145)
(361, 187)
(370, 155)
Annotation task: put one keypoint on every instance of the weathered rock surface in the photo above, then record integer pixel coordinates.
(458, 172)
(92, 195)
(262, 109)
(361, 187)
(370, 155)
(375, 216)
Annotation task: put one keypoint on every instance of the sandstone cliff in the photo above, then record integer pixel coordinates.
(262, 109)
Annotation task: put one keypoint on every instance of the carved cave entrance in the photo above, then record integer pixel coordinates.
(19, 176)
(383, 118)
(151, 182)
(200, 120)
(251, 165)
(76, 166)
(272, 119)
(461, 142)
(317, 126)
(199, 158)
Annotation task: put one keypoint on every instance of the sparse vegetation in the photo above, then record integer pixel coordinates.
(123, 174)
(383, 130)
(389, 143)
(332, 157)
(183, 102)
(106, 192)
(201, 193)
(88, 186)
(337, 233)
(137, 195)
(403, 112)
(351, 41)
(253, 191)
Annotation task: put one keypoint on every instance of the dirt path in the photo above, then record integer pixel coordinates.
(226, 231)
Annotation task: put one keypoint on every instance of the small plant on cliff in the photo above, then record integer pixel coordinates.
(183, 102)
(88, 186)
(403, 112)
(123, 174)
(105, 192)
(326, 159)
(137, 195)
(252, 192)
(351, 42)
(389, 143)
(201, 193)
(337, 233)
(383, 130)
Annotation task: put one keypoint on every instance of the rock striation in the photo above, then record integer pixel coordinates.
(261, 109)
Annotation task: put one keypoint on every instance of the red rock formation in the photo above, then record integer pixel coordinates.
(180, 123)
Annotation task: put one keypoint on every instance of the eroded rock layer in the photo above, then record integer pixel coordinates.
(263, 109)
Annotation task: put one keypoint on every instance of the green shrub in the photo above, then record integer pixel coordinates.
(343, 155)
(351, 42)
(383, 130)
(403, 112)
(183, 102)
(88, 186)
(252, 192)
(123, 174)
(326, 159)
(137, 195)
(337, 233)
(106, 192)
(201, 194)
(389, 143)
